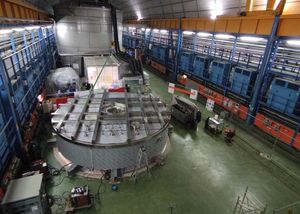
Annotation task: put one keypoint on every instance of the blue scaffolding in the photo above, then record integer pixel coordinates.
(25, 62)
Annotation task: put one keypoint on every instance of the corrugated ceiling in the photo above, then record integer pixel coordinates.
(134, 9)
(146, 9)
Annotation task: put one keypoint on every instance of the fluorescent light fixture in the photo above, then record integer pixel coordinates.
(61, 29)
(143, 29)
(293, 42)
(139, 15)
(213, 16)
(224, 36)
(202, 34)
(164, 31)
(188, 32)
(251, 38)
(155, 30)
(18, 29)
(32, 27)
(216, 9)
(5, 31)
(148, 29)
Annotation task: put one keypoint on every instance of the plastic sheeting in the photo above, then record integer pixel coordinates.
(62, 80)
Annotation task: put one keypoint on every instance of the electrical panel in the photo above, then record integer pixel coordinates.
(26, 195)
(220, 72)
(284, 95)
(159, 53)
(201, 66)
(186, 61)
(243, 81)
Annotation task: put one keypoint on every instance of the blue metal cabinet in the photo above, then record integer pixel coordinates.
(201, 66)
(159, 53)
(243, 81)
(186, 61)
(220, 72)
(125, 41)
(284, 95)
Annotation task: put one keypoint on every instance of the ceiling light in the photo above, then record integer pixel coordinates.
(164, 31)
(251, 38)
(224, 36)
(148, 29)
(61, 30)
(188, 32)
(202, 34)
(293, 42)
(143, 29)
(213, 16)
(139, 15)
(216, 9)
(155, 30)
(32, 27)
(18, 29)
(5, 31)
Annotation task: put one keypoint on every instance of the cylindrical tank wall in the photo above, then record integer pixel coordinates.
(122, 157)
(84, 30)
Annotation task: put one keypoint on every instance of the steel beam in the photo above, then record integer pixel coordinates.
(263, 72)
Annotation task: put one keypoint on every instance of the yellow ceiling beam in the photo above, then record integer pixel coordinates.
(271, 4)
(280, 7)
(249, 5)
(26, 5)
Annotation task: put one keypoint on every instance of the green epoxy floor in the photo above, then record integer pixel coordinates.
(202, 174)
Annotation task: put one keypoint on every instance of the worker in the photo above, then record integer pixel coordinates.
(229, 134)
(206, 123)
(87, 85)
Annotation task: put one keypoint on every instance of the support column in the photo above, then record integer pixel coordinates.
(179, 46)
(249, 5)
(254, 104)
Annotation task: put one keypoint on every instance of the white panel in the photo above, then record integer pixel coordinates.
(177, 8)
(190, 6)
(169, 15)
(191, 14)
(194, 94)
(168, 9)
(178, 14)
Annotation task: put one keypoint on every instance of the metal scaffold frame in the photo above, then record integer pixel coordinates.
(249, 204)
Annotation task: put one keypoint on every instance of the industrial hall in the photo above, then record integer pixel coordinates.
(150, 106)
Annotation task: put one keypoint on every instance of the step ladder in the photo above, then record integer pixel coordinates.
(141, 153)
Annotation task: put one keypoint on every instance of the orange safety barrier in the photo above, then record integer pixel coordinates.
(181, 90)
(277, 130)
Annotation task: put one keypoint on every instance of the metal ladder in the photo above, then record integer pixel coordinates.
(141, 153)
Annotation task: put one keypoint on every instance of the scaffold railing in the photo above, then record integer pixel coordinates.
(249, 204)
